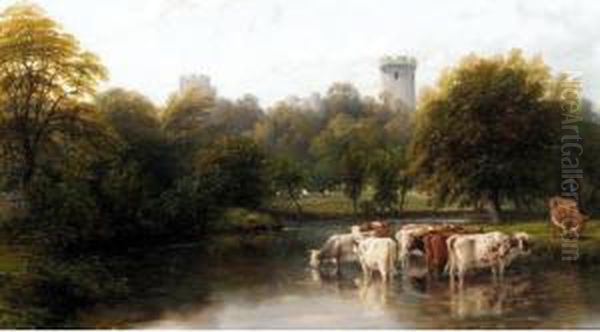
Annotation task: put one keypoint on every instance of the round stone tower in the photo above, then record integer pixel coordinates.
(398, 79)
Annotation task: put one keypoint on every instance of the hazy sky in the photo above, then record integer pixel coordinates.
(275, 48)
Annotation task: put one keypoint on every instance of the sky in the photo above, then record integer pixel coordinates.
(278, 48)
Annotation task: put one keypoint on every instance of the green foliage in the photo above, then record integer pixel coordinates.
(243, 220)
(184, 120)
(489, 127)
(385, 168)
(44, 76)
(233, 118)
(288, 177)
(191, 204)
(136, 121)
(61, 216)
(241, 165)
(50, 293)
(354, 169)
(288, 130)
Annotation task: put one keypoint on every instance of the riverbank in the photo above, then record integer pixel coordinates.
(585, 251)
(336, 206)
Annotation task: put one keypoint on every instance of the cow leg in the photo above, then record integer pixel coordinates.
(384, 275)
(494, 274)
(501, 272)
(366, 272)
(336, 264)
(461, 278)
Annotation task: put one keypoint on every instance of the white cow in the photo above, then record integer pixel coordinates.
(377, 254)
(494, 250)
(337, 249)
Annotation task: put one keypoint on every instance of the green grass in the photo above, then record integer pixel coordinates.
(243, 220)
(547, 248)
(337, 205)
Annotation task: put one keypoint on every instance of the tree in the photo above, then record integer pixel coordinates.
(343, 98)
(237, 117)
(44, 77)
(354, 170)
(288, 177)
(241, 167)
(488, 127)
(136, 122)
(386, 171)
(288, 129)
(185, 120)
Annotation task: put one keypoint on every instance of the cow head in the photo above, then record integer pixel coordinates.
(356, 245)
(571, 227)
(314, 259)
(356, 230)
(521, 241)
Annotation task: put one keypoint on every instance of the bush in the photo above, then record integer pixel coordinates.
(63, 216)
(241, 167)
(51, 292)
(239, 219)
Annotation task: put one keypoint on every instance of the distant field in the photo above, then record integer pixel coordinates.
(336, 204)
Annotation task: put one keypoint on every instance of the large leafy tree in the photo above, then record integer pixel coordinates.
(44, 77)
(488, 131)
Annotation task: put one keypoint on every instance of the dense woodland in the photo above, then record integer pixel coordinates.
(96, 171)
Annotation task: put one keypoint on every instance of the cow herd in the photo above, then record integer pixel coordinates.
(447, 248)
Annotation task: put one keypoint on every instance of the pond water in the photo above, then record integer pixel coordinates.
(263, 282)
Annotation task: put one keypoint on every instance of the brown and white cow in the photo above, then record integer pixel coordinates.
(566, 217)
(375, 228)
(436, 249)
(410, 237)
(494, 250)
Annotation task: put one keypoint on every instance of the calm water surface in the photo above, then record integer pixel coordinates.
(263, 282)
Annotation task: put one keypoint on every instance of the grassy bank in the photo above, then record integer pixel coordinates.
(336, 205)
(549, 249)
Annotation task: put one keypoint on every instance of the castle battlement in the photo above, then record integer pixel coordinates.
(398, 60)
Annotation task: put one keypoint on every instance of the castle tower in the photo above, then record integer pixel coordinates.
(398, 79)
(195, 81)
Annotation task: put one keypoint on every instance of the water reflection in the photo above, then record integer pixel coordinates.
(266, 283)
(488, 299)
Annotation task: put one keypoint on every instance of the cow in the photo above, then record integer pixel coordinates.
(377, 254)
(410, 238)
(494, 250)
(436, 250)
(374, 228)
(566, 217)
(337, 249)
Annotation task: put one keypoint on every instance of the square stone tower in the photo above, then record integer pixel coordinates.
(398, 79)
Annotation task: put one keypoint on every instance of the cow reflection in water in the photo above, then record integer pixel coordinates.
(374, 295)
(488, 299)
(330, 281)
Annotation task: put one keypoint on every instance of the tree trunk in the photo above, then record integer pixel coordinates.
(295, 201)
(403, 191)
(494, 208)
